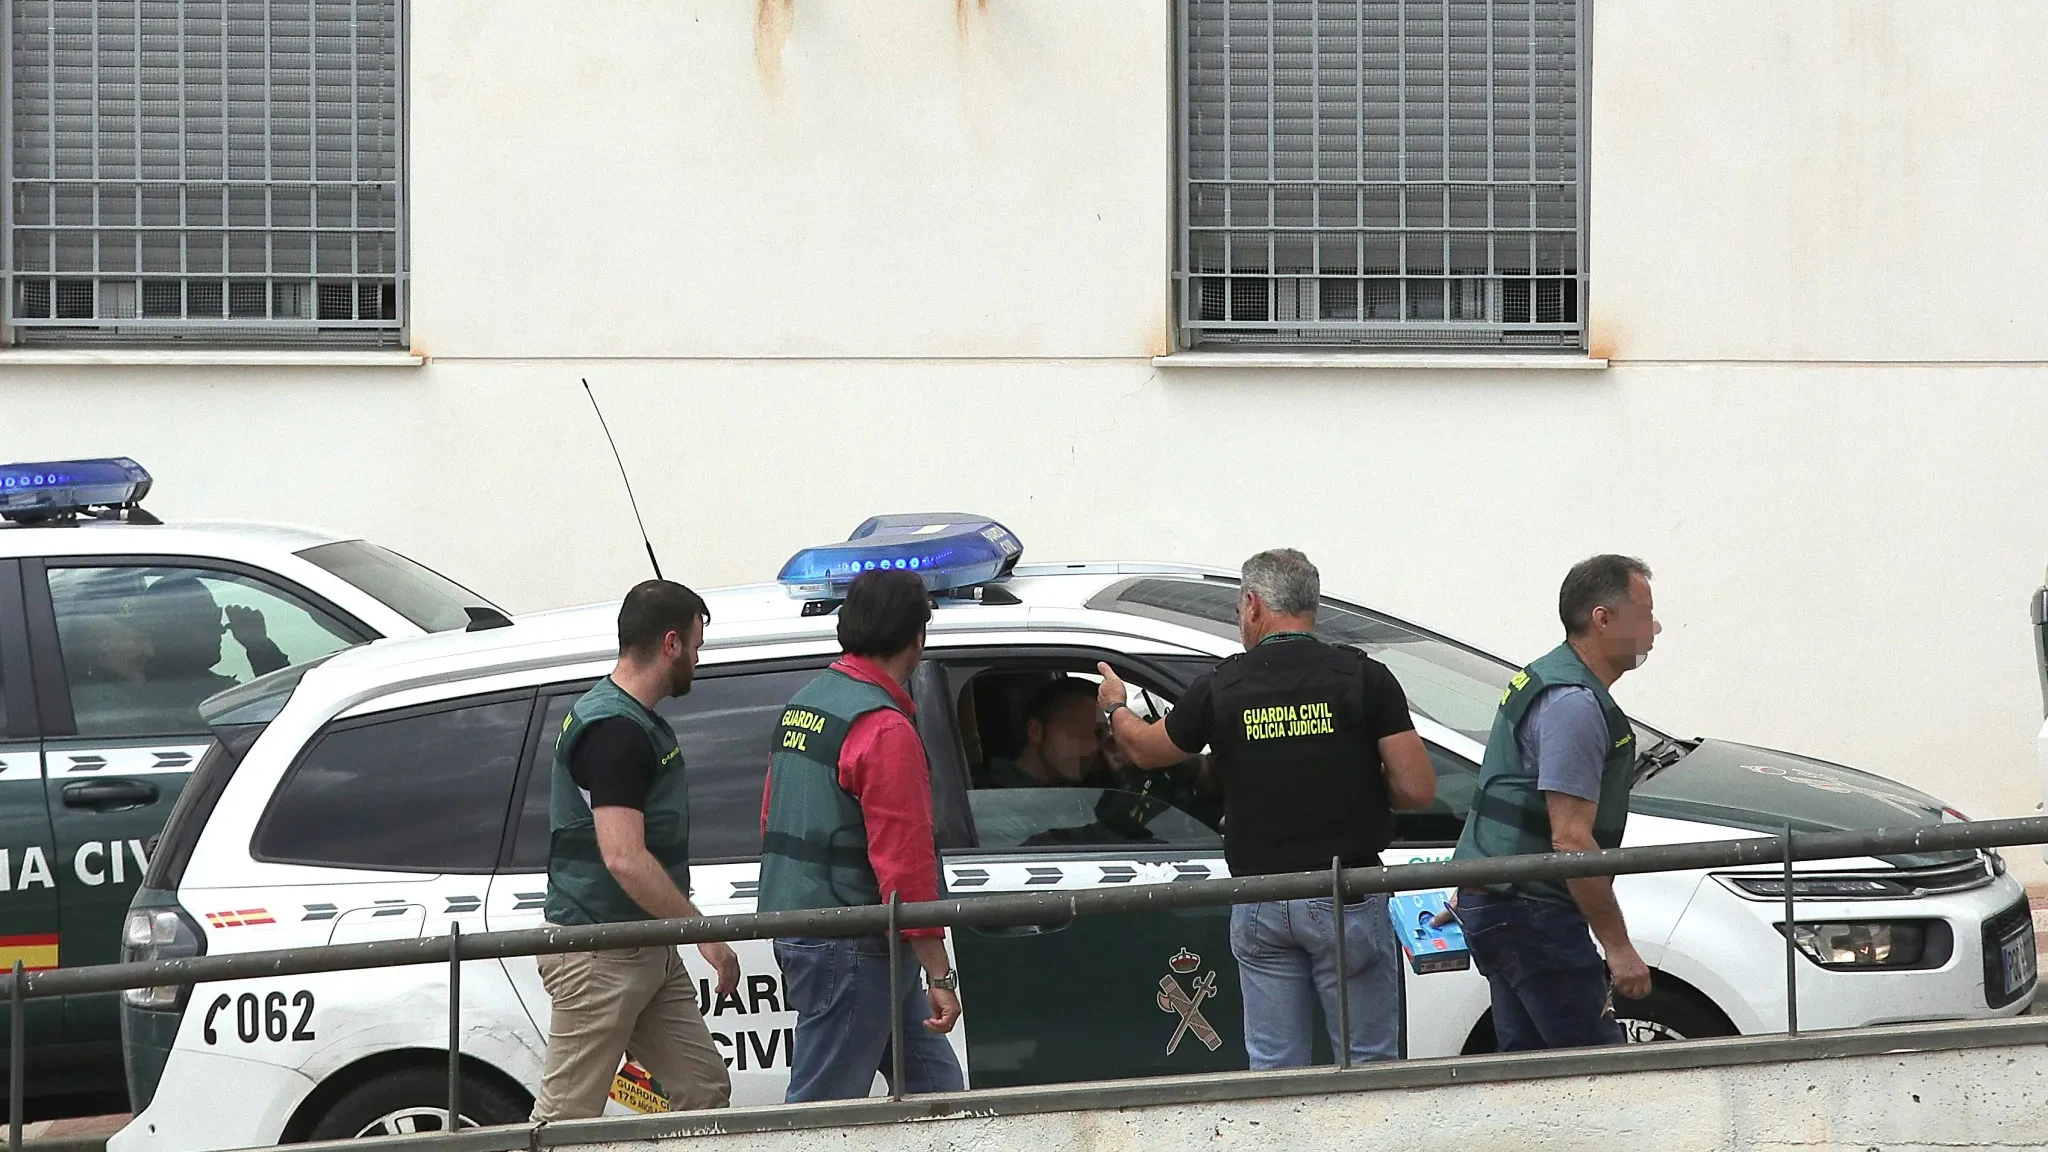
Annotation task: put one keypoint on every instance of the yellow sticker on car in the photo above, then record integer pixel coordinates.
(634, 1088)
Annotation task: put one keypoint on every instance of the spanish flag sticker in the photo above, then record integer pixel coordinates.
(36, 953)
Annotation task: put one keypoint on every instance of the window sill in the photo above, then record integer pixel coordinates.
(207, 358)
(1380, 361)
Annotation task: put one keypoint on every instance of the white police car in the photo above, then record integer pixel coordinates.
(111, 633)
(397, 789)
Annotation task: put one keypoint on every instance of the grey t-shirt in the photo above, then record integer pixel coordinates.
(1565, 736)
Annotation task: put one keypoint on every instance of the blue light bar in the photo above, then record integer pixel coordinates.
(946, 550)
(68, 487)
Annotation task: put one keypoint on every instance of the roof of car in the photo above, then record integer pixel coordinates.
(194, 537)
(741, 615)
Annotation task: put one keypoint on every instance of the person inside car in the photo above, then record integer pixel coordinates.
(185, 629)
(1060, 746)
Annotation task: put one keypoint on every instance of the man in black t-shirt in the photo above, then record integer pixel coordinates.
(1314, 750)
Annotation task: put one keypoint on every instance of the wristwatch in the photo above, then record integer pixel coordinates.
(949, 982)
(1110, 711)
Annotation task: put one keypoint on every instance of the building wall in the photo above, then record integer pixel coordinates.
(822, 259)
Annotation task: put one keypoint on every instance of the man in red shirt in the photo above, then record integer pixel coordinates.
(846, 821)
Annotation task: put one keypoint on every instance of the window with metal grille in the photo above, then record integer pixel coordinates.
(205, 172)
(1383, 173)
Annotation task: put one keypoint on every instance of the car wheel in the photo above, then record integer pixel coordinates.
(1670, 1013)
(408, 1100)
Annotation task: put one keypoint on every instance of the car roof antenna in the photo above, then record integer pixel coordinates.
(623, 478)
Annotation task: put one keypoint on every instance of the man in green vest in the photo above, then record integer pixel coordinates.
(846, 821)
(618, 851)
(1556, 777)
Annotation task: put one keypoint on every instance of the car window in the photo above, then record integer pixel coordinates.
(725, 726)
(1444, 820)
(419, 791)
(409, 588)
(1445, 682)
(143, 645)
(1044, 773)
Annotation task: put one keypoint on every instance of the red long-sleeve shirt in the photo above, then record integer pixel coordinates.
(882, 765)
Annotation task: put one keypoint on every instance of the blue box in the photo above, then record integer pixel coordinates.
(1428, 948)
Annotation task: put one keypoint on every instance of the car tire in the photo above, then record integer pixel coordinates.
(406, 1100)
(1670, 1012)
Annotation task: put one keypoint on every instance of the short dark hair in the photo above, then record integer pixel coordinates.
(652, 610)
(1053, 693)
(1595, 582)
(883, 613)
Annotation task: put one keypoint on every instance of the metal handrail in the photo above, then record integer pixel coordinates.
(1010, 911)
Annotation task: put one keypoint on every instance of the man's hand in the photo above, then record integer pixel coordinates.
(1449, 913)
(727, 963)
(1112, 692)
(1631, 975)
(248, 626)
(945, 1010)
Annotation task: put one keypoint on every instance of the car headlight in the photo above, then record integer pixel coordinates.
(1815, 887)
(158, 934)
(1878, 945)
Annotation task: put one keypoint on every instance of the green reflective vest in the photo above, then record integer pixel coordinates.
(814, 846)
(581, 890)
(1509, 815)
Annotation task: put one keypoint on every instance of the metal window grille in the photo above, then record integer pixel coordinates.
(1382, 172)
(211, 172)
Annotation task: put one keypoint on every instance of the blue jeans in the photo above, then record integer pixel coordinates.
(1287, 962)
(839, 990)
(1550, 986)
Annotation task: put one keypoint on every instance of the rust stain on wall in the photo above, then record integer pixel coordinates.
(1601, 343)
(960, 15)
(773, 20)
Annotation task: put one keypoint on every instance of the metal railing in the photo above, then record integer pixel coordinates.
(998, 911)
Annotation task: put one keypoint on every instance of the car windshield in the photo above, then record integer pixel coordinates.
(413, 590)
(1455, 686)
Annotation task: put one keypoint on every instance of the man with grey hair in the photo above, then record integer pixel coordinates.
(1313, 748)
(1556, 777)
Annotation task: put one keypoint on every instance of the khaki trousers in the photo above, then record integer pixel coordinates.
(639, 1002)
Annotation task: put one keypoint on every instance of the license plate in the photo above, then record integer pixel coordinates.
(2016, 959)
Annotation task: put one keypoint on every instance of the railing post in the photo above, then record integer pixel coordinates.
(1791, 947)
(454, 1027)
(895, 1000)
(17, 1056)
(1343, 970)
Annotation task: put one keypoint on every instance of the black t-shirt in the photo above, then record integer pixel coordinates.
(1192, 721)
(1293, 728)
(614, 762)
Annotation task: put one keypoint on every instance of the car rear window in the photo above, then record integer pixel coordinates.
(418, 790)
(194, 806)
(428, 599)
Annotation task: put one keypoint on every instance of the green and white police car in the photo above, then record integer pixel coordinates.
(111, 633)
(398, 789)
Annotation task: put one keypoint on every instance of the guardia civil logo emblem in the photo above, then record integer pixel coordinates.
(1186, 1001)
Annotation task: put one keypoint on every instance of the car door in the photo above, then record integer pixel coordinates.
(125, 650)
(29, 925)
(725, 726)
(1094, 997)
(1444, 1007)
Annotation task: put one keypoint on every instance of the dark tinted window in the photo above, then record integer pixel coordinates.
(1444, 820)
(417, 792)
(172, 849)
(408, 588)
(725, 726)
